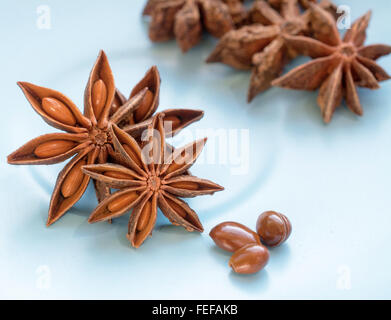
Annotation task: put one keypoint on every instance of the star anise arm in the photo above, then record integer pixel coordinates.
(161, 26)
(71, 185)
(357, 33)
(268, 65)
(117, 204)
(237, 47)
(127, 151)
(100, 91)
(114, 176)
(142, 220)
(216, 17)
(49, 148)
(308, 76)
(365, 77)
(55, 108)
(308, 46)
(154, 145)
(174, 121)
(351, 95)
(378, 72)
(330, 93)
(177, 119)
(182, 159)
(375, 51)
(179, 212)
(187, 26)
(187, 186)
(150, 103)
(324, 26)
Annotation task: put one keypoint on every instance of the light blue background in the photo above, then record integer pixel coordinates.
(333, 181)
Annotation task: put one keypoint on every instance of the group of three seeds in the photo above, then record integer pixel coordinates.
(250, 254)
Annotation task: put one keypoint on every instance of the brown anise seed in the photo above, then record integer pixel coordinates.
(117, 175)
(273, 228)
(144, 217)
(231, 236)
(188, 185)
(132, 154)
(122, 201)
(173, 120)
(58, 111)
(144, 106)
(99, 97)
(177, 208)
(53, 148)
(73, 180)
(249, 259)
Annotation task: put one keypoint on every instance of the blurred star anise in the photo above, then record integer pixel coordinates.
(186, 19)
(261, 46)
(339, 65)
(149, 178)
(87, 135)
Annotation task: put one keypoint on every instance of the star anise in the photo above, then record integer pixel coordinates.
(339, 65)
(149, 178)
(87, 135)
(261, 46)
(185, 20)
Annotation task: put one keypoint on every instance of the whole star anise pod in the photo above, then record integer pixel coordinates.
(148, 178)
(261, 46)
(87, 135)
(339, 65)
(186, 19)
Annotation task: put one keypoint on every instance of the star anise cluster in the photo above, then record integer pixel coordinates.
(149, 176)
(261, 46)
(267, 34)
(339, 65)
(88, 136)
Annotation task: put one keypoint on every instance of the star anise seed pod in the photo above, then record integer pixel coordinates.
(147, 178)
(87, 135)
(339, 65)
(185, 20)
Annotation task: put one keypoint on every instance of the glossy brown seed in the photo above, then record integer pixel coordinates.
(58, 111)
(99, 97)
(53, 148)
(122, 201)
(231, 236)
(177, 208)
(144, 217)
(117, 175)
(273, 228)
(144, 106)
(132, 154)
(249, 259)
(188, 185)
(73, 180)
